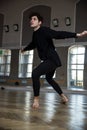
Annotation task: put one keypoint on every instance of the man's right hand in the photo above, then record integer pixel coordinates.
(22, 51)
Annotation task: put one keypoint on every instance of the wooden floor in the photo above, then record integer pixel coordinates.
(16, 112)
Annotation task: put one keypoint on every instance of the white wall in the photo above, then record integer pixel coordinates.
(13, 9)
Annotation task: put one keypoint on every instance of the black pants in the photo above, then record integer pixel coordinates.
(47, 68)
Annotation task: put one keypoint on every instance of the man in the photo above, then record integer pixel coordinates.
(42, 40)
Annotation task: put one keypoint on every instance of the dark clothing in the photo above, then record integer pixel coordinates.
(48, 68)
(42, 40)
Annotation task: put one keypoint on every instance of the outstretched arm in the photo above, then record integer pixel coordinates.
(62, 34)
(29, 47)
(84, 33)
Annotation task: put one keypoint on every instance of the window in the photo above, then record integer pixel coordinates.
(5, 60)
(76, 66)
(25, 64)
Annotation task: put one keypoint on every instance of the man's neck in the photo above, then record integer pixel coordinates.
(36, 28)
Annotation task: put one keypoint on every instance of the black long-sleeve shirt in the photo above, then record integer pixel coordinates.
(42, 39)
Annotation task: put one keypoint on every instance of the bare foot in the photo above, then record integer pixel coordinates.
(36, 103)
(64, 99)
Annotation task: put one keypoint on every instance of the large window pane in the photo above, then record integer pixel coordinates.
(25, 64)
(73, 59)
(73, 74)
(29, 68)
(80, 59)
(80, 75)
(5, 60)
(76, 66)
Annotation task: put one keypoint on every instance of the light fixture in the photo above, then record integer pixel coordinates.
(67, 21)
(55, 22)
(6, 28)
(15, 27)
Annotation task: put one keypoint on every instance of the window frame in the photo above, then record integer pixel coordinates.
(25, 63)
(5, 62)
(76, 81)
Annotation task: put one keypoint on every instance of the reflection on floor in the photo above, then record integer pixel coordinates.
(16, 112)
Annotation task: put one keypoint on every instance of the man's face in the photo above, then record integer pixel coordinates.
(34, 22)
